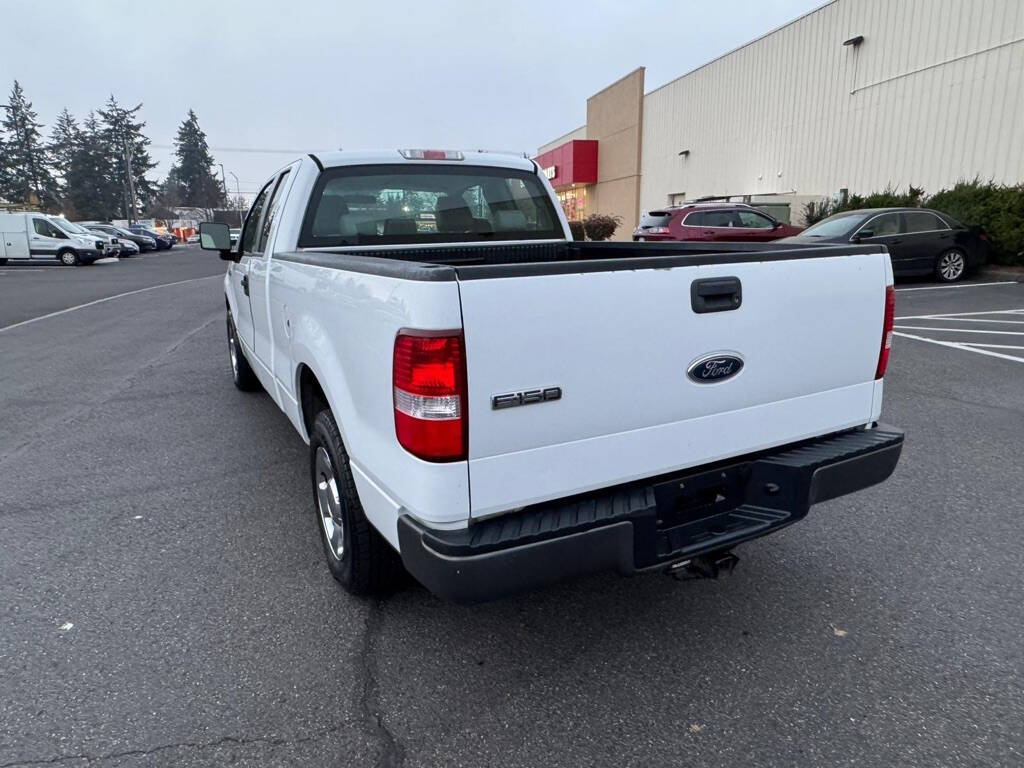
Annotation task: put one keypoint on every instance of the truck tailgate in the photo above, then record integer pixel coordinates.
(619, 345)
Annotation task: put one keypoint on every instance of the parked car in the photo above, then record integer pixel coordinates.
(38, 237)
(920, 241)
(193, 238)
(235, 233)
(453, 381)
(144, 242)
(163, 241)
(704, 222)
(128, 248)
(111, 244)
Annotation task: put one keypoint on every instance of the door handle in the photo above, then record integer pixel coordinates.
(716, 294)
(245, 284)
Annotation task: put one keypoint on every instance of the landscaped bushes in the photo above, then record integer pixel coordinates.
(600, 226)
(997, 208)
(576, 227)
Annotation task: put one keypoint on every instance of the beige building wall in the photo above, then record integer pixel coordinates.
(934, 94)
(579, 133)
(615, 120)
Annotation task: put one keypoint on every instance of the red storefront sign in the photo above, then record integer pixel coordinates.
(575, 162)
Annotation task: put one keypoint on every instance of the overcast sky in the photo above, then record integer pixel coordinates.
(328, 74)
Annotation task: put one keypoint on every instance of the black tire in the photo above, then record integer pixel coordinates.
(951, 266)
(69, 258)
(367, 564)
(241, 372)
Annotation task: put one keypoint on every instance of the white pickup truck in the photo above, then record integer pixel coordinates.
(493, 406)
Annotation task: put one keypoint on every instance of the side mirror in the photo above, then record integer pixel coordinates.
(777, 225)
(863, 235)
(216, 237)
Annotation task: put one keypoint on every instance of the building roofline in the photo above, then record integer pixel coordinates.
(779, 28)
(616, 82)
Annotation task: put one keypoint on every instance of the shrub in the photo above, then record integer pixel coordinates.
(601, 226)
(998, 208)
(576, 228)
(890, 197)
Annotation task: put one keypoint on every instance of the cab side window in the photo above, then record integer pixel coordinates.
(272, 209)
(252, 221)
(46, 229)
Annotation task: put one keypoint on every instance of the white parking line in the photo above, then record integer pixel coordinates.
(992, 346)
(963, 285)
(959, 330)
(962, 314)
(106, 298)
(963, 347)
(971, 320)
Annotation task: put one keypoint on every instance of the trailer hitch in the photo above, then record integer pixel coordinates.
(709, 566)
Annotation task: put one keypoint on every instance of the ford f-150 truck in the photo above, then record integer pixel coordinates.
(492, 406)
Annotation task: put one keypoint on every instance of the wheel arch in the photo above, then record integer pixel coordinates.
(311, 395)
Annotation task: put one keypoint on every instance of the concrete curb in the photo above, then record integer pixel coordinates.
(1000, 274)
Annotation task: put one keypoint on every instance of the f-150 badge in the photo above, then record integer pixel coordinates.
(526, 397)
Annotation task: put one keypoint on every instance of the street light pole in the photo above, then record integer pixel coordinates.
(238, 199)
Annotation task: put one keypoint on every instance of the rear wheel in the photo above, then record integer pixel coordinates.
(357, 555)
(69, 258)
(241, 372)
(951, 266)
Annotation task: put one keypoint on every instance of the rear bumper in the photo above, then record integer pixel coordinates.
(649, 525)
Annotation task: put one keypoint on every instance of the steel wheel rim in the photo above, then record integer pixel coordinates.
(329, 504)
(68, 258)
(233, 350)
(951, 265)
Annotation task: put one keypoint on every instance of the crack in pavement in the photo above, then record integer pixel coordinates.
(199, 745)
(392, 752)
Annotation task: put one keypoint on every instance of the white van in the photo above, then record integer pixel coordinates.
(38, 237)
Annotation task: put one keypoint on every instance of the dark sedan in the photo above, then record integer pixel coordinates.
(920, 241)
(162, 240)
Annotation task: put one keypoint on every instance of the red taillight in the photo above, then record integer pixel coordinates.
(658, 230)
(890, 313)
(430, 395)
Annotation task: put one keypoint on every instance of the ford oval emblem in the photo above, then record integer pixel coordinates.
(715, 368)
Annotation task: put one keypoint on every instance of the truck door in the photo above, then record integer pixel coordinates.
(240, 272)
(258, 266)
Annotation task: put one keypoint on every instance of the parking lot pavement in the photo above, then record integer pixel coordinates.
(163, 599)
(32, 290)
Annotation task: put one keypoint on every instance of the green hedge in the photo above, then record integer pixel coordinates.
(998, 208)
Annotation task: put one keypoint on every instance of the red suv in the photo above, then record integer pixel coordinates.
(736, 222)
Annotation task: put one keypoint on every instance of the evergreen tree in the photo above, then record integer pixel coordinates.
(64, 141)
(25, 175)
(122, 133)
(90, 171)
(191, 179)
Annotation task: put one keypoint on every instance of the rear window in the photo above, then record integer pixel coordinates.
(410, 204)
(655, 219)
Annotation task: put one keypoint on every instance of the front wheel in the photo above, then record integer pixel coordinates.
(951, 266)
(241, 372)
(359, 558)
(69, 258)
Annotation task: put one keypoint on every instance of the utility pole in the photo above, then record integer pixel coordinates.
(131, 182)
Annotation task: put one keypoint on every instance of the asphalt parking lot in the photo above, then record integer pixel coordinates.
(163, 599)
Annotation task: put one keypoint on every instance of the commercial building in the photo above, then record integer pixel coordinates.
(857, 95)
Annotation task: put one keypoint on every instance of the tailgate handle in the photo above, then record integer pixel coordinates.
(716, 294)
